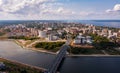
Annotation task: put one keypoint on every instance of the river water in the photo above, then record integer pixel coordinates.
(10, 50)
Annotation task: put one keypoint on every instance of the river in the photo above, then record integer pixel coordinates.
(83, 64)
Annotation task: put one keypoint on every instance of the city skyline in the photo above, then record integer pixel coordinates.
(59, 9)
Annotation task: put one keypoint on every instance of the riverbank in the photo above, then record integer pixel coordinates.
(72, 55)
(34, 49)
(17, 67)
(94, 55)
(43, 51)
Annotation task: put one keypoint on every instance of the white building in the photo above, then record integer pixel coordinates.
(109, 32)
(83, 40)
(80, 34)
(89, 39)
(79, 40)
(52, 37)
(42, 34)
(49, 28)
(115, 34)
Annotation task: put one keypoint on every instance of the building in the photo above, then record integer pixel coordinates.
(49, 28)
(89, 39)
(52, 37)
(109, 32)
(83, 40)
(119, 34)
(104, 32)
(115, 34)
(42, 34)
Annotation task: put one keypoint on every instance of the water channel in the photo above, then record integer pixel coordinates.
(82, 64)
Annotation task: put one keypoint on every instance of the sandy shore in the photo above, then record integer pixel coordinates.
(43, 51)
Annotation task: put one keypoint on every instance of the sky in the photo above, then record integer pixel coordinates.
(59, 9)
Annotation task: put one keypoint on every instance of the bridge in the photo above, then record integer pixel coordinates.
(59, 57)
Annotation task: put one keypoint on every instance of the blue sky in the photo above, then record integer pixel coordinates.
(59, 9)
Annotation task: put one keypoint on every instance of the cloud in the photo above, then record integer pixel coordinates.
(0, 2)
(61, 10)
(39, 9)
(24, 6)
(34, 8)
(116, 9)
(48, 9)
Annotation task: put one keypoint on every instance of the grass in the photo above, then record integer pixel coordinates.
(14, 67)
(50, 46)
(88, 51)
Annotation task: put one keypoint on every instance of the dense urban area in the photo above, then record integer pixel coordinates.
(48, 37)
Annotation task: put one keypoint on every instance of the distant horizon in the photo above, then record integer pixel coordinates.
(64, 19)
(108, 23)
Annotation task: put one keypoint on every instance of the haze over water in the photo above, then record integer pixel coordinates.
(108, 23)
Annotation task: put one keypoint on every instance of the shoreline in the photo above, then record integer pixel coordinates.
(15, 41)
(53, 53)
(43, 51)
(23, 64)
(73, 55)
(94, 55)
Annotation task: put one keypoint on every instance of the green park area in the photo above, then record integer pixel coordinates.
(102, 45)
(50, 46)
